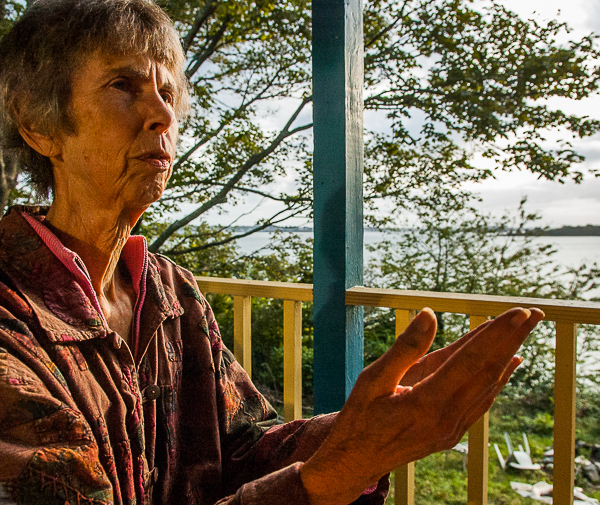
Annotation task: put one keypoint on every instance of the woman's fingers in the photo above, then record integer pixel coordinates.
(487, 399)
(484, 358)
(465, 386)
(384, 374)
(432, 361)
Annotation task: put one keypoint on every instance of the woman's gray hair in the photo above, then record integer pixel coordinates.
(49, 43)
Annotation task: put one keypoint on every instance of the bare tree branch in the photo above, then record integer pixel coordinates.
(269, 196)
(237, 113)
(207, 10)
(389, 27)
(221, 196)
(270, 222)
(212, 233)
(201, 56)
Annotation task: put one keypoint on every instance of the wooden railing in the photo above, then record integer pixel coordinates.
(292, 294)
(566, 314)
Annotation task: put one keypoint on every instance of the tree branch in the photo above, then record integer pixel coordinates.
(271, 221)
(237, 113)
(269, 196)
(201, 56)
(214, 232)
(388, 27)
(207, 10)
(221, 196)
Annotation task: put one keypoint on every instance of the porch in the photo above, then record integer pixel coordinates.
(566, 315)
(338, 295)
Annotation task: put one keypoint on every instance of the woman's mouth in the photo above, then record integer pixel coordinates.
(157, 160)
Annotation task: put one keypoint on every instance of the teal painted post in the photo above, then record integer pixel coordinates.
(338, 206)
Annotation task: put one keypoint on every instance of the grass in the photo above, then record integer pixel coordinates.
(441, 479)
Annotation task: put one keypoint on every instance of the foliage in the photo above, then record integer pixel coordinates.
(10, 10)
(452, 81)
(466, 252)
(463, 251)
(472, 76)
(441, 478)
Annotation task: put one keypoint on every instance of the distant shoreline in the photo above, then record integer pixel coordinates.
(589, 230)
(564, 231)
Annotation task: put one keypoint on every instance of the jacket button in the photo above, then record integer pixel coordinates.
(151, 392)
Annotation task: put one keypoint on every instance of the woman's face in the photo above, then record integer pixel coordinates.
(126, 133)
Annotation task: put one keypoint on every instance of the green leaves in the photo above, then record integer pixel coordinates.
(478, 76)
(456, 88)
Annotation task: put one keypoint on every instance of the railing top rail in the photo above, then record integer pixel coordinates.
(569, 311)
(262, 289)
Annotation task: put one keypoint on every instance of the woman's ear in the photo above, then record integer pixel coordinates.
(44, 144)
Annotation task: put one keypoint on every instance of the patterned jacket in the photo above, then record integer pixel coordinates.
(173, 419)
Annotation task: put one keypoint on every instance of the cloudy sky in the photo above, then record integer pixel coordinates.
(558, 204)
(567, 204)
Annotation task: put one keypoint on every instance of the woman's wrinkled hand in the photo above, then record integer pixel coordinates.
(405, 406)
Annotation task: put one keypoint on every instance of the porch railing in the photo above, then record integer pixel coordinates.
(566, 314)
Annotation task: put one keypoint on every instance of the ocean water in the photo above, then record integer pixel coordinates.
(571, 252)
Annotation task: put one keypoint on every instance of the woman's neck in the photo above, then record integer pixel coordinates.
(98, 239)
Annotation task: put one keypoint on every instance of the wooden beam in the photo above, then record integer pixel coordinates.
(242, 332)
(404, 484)
(259, 289)
(478, 455)
(564, 413)
(292, 360)
(338, 213)
(568, 311)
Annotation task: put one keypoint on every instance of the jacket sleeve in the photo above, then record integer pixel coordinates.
(277, 456)
(47, 451)
(262, 461)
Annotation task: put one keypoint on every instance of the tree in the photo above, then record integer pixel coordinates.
(471, 75)
(467, 252)
(9, 170)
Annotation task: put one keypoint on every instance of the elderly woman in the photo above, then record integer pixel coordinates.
(114, 382)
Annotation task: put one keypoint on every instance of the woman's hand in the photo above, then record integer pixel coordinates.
(402, 409)
(432, 361)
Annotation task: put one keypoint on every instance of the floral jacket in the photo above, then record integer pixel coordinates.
(173, 419)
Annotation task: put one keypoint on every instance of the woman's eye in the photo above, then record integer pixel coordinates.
(121, 85)
(167, 97)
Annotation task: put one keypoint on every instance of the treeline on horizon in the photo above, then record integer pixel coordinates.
(589, 230)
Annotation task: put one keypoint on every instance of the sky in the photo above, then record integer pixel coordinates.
(558, 204)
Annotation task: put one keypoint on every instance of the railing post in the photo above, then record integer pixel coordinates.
(292, 360)
(404, 476)
(478, 455)
(564, 413)
(242, 332)
(338, 198)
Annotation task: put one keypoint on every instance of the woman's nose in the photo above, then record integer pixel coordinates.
(159, 115)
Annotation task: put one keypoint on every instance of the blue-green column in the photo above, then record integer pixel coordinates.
(338, 193)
